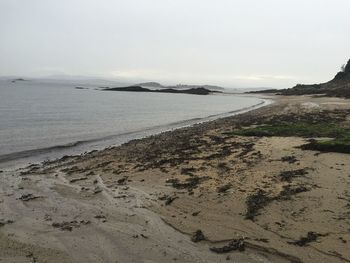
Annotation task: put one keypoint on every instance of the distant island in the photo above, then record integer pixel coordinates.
(339, 86)
(193, 91)
(178, 86)
(78, 87)
(19, 79)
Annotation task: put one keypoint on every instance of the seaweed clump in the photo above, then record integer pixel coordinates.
(255, 203)
(304, 241)
(233, 245)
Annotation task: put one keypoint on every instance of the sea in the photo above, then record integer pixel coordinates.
(44, 120)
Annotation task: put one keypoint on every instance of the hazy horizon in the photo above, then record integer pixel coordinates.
(228, 43)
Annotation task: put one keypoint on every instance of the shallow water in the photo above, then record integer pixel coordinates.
(46, 119)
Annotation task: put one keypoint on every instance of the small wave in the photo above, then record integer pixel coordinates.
(33, 152)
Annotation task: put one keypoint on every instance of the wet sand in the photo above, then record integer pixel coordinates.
(143, 201)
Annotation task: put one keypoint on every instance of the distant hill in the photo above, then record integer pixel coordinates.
(339, 86)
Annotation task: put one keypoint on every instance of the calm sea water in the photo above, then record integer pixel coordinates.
(42, 120)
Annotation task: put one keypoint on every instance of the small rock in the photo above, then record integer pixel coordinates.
(196, 213)
(198, 236)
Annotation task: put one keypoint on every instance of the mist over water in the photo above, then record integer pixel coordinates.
(45, 117)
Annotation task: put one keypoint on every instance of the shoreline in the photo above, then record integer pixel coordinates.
(21, 159)
(154, 193)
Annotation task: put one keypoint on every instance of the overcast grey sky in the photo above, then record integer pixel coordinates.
(247, 43)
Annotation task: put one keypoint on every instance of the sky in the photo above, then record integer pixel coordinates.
(233, 43)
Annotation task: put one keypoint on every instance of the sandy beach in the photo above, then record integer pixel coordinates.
(196, 194)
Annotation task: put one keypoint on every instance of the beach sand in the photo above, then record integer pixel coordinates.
(144, 200)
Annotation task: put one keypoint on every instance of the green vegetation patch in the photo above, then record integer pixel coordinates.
(340, 141)
(341, 145)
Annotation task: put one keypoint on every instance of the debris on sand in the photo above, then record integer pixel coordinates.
(5, 222)
(188, 171)
(190, 183)
(343, 240)
(255, 203)
(248, 147)
(198, 236)
(47, 217)
(224, 188)
(63, 226)
(289, 175)
(170, 199)
(223, 168)
(68, 226)
(234, 245)
(289, 159)
(264, 240)
(28, 197)
(71, 170)
(77, 179)
(97, 190)
(102, 217)
(289, 190)
(304, 241)
(259, 200)
(196, 213)
(122, 181)
(163, 197)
